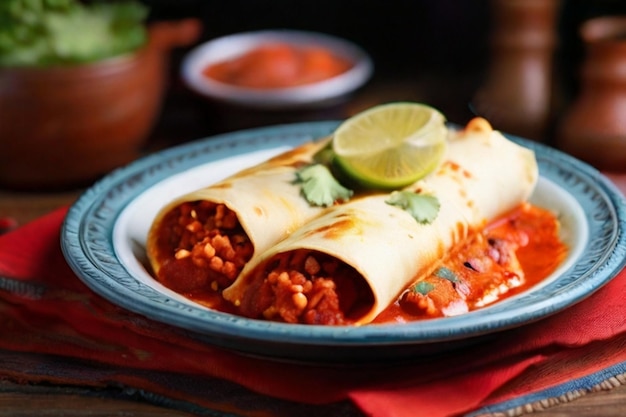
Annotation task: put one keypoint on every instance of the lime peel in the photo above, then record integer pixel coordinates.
(391, 145)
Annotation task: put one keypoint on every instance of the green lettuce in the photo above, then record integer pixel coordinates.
(53, 32)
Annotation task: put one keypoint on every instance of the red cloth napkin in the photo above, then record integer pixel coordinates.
(55, 330)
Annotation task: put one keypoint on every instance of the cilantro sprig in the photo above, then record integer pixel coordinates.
(319, 186)
(423, 207)
(447, 273)
(423, 287)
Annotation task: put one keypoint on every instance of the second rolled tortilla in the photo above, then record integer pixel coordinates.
(483, 176)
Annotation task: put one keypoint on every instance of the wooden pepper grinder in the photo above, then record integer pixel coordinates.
(594, 127)
(517, 93)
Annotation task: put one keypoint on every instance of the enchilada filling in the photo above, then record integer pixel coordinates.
(201, 245)
(305, 286)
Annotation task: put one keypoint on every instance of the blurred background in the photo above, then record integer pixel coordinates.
(424, 50)
(519, 63)
(435, 51)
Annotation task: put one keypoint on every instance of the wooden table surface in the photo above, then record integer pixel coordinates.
(186, 117)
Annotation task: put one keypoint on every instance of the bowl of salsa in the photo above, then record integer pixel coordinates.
(276, 69)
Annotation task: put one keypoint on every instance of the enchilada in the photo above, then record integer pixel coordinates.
(348, 264)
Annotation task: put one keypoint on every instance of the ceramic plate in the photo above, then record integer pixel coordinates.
(104, 234)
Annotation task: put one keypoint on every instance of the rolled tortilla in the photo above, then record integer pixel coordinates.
(203, 239)
(350, 263)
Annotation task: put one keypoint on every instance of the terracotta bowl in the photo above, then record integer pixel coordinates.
(67, 125)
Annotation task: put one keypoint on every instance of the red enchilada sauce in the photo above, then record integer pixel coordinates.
(278, 65)
(509, 256)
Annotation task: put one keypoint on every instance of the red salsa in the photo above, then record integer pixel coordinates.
(278, 65)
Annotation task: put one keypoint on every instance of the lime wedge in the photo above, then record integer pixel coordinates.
(391, 145)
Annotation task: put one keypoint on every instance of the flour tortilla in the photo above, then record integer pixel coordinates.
(267, 201)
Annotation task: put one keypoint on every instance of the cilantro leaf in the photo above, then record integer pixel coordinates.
(446, 273)
(424, 208)
(423, 287)
(319, 187)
